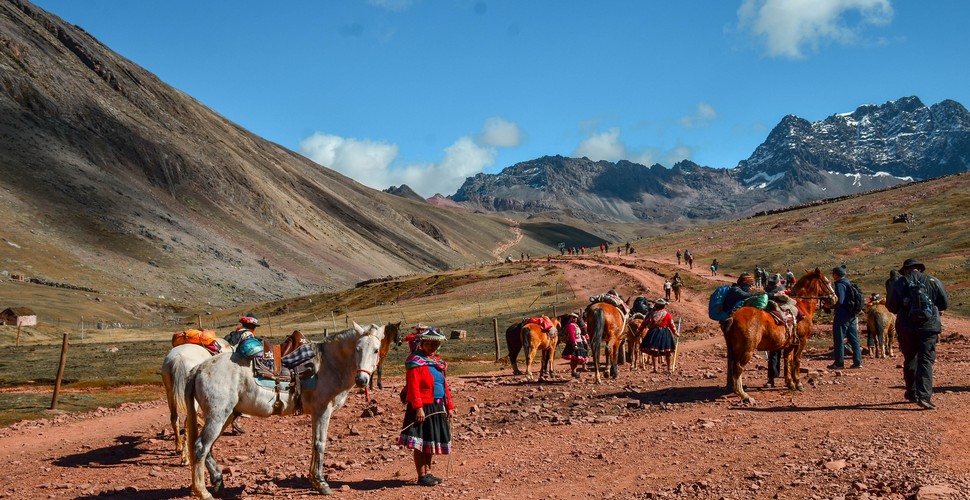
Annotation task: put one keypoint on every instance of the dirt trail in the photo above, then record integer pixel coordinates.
(645, 435)
(500, 250)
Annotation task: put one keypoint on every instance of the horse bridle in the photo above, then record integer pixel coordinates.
(830, 295)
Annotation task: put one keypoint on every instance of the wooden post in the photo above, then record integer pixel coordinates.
(200, 321)
(333, 318)
(495, 326)
(18, 334)
(60, 373)
(82, 328)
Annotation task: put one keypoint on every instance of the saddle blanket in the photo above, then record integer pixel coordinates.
(544, 323)
(782, 318)
(298, 363)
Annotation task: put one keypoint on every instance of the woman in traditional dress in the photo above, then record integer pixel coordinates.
(577, 347)
(661, 333)
(427, 429)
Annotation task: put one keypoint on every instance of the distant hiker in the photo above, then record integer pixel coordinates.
(690, 259)
(676, 284)
(668, 287)
(918, 300)
(845, 324)
(789, 279)
(577, 346)
(757, 276)
(678, 257)
(714, 268)
(628, 247)
(247, 328)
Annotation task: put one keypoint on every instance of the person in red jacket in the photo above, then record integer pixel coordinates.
(427, 430)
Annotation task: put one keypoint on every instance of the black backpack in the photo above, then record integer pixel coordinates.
(855, 301)
(918, 301)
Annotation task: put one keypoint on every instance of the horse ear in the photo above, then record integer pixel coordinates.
(359, 328)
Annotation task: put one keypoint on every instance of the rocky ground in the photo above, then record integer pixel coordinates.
(850, 434)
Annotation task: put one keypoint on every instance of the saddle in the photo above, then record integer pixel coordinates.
(545, 324)
(285, 367)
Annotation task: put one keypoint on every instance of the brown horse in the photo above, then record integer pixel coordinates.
(606, 324)
(513, 340)
(391, 333)
(636, 358)
(534, 339)
(751, 329)
(881, 324)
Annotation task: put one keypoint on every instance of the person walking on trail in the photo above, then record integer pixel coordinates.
(676, 284)
(678, 257)
(690, 259)
(714, 268)
(427, 430)
(668, 286)
(918, 300)
(845, 324)
(577, 346)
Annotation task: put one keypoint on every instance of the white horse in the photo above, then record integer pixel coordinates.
(225, 384)
(175, 372)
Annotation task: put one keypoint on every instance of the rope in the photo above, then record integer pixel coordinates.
(406, 427)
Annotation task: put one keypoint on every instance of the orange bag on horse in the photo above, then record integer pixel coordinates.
(199, 337)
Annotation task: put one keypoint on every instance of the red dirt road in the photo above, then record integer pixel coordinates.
(645, 435)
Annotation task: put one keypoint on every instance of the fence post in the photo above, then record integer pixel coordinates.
(60, 373)
(495, 327)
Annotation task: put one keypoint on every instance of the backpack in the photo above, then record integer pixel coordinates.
(919, 303)
(715, 307)
(856, 301)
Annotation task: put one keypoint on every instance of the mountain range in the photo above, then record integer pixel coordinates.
(800, 161)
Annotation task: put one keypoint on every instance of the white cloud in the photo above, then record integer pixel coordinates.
(372, 162)
(364, 160)
(500, 133)
(704, 114)
(787, 27)
(608, 146)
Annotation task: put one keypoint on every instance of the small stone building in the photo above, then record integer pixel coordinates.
(18, 316)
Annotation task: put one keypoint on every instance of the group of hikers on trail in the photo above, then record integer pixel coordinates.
(687, 256)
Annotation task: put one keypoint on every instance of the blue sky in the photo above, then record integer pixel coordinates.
(428, 92)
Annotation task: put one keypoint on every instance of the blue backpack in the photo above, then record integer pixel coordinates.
(715, 308)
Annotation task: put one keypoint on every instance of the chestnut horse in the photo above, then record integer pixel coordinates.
(751, 329)
(392, 332)
(534, 339)
(881, 324)
(606, 324)
(636, 358)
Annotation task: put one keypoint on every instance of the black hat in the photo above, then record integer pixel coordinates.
(912, 263)
(838, 270)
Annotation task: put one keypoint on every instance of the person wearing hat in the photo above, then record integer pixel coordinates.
(661, 331)
(739, 292)
(577, 346)
(845, 324)
(427, 430)
(247, 328)
(917, 335)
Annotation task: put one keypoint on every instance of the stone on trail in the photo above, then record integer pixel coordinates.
(935, 492)
(835, 465)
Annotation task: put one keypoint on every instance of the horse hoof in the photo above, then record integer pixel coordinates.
(799, 387)
(324, 489)
(217, 486)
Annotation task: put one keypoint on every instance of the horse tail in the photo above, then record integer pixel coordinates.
(526, 335)
(179, 375)
(596, 340)
(191, 415)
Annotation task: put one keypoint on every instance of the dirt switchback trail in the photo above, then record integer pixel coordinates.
(849, 435)
(500, 250)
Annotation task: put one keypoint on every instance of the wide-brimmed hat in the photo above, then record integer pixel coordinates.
(660, 302)
(912, 263)
(432, 335)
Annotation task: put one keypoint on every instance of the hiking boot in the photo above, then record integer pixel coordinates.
(427, 480)
(771, 383)
(910, 396)
(925, 404)
(834, 366)
(855, 367)
(436, 478)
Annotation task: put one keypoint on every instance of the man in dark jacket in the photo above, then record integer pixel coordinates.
(917, 341)
(845, 324)
(738, 292)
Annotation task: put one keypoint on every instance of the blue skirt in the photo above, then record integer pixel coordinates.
(433, 436)
(659, 340)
